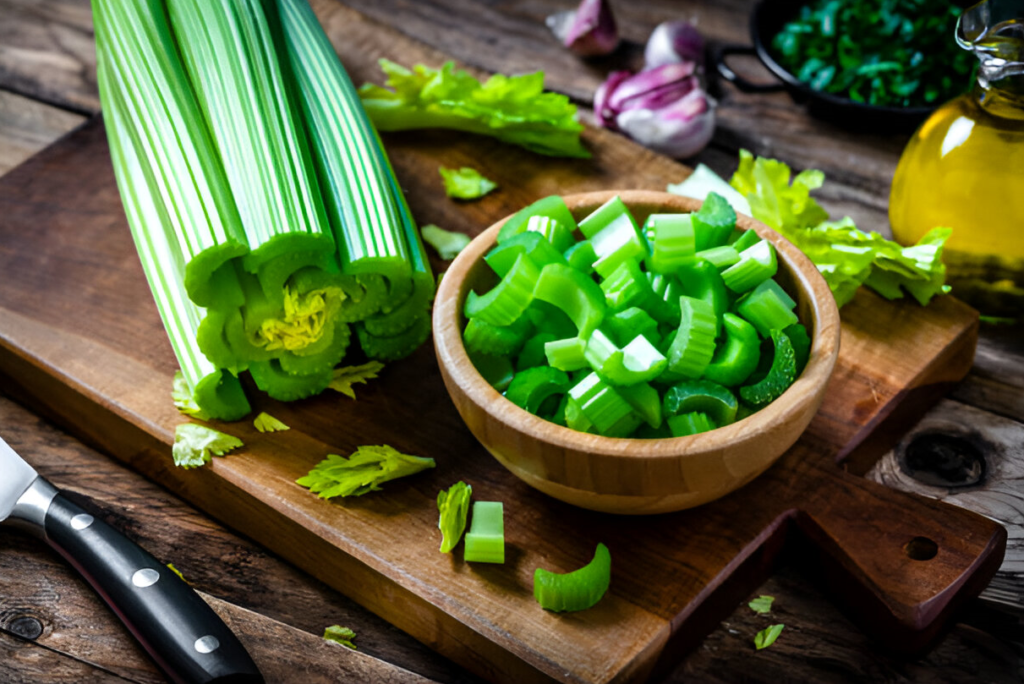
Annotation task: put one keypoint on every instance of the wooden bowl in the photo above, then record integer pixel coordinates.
(635, 476)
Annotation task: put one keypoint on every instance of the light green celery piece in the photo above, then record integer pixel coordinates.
(362, 472)
(568, 354)
(673, 244)
(217, 393)
(601, 404)
(687, 424)
(195, 445)
(485, 541)
(514, 109)
(453, 508)
(576, 590)
(553, 230)
(231, 52)
(703, 181)
(465, 183)
(757, 263)
(507, 301)
(720, 257)
(446, 243)
(646, 401)
(575, 293)
(343, 379)
(340, 635)
(267, 423)
(159, 115)
(694, 344)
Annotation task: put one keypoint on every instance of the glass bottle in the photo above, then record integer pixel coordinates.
(964, 168)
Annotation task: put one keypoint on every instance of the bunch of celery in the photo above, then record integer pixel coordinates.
(264, 209)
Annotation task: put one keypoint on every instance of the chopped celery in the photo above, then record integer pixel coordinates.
(701, 280)
(744, 239)
(757, 264)
(768, 307)
(574, 293)
(714, 222)
(721, 257)
(617, 241)
(703, 181)
(265, 422)
(577, 590)
(610, 414)
(496, 370)
(465, 183)
(553, 230)
(801, 342)
(568, 354)
(694, 343)
(690, 424)
(574, 418)
(673, 244)
(552, 207)
(502, 258)
(362, 472)
(624, 326)
(271, 378)
(485, 541)
(737, 357)
(627, 287)
(394, 347)
(704, 397)
(780, 376)
(550, 319)
(447, 243)
(509, 298)
(581, 256)
(533, 353)
(532, 387)
(668, 289)
(645, 401)
(484, 338)
(453, 509)
(638, 361)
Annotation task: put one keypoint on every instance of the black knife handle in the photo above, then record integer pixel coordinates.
(176, 627)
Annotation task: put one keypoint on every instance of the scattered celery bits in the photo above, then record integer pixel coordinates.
(465, 183)
(766, 637)
(485, 541)
(195, 445)
(762, 604)
(184, 400)
(453, 506)
(364, 471)
(340, 635)
(268, 423)
(576, 590)
(447, 243)
(343, 378)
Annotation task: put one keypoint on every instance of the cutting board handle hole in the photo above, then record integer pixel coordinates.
(921, 549)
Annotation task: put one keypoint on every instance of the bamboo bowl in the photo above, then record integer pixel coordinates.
(635, 476)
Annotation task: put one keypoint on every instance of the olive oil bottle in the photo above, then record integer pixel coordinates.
(964, 168)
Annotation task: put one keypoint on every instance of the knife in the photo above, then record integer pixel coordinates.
(189, 641)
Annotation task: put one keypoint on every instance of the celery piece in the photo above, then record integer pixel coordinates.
(701, 280)
(340, 635)
(453, 509)
(465, 183)
(581, 256)
(645, 401)
(638, 361)
(362, 472)
(610, 414)
(552, 207)
(482, 337)
(509, 298)
(550, 319)
(668, 289)
(694, 343)
(343, 379)
(768, 308)
(645, 431)
(626, 287)
(625, 325)
(801, 342)
(568, 354)
(703, 181)
(604, 216)
(757, 264)
(502, 258)
(485, 541)
(780, 376)
(271, 378)
(673, 245)
(265, 422)
(701, 396)
(533, 353)
(577, 590)
(721, 257)
(446, 243)
(618, 241)
(737, 357)
(744, 239)
(496, 370)
(195, 445)
(553, 230)
(320, 359)
(574, 418)
(404, 315)
(574, 293)
(689, 424)
(394, 347)
(532, 387)
(714, 222)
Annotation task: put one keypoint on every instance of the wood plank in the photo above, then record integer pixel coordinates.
(27, 126)
(22, 663)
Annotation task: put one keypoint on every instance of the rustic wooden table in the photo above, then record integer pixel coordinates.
(53, 629)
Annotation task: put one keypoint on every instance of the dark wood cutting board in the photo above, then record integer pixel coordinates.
(81, 340)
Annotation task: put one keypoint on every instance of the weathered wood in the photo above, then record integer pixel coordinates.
(27, 126)
(24, 663)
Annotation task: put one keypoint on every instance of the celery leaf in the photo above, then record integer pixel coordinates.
(195, 445)
(762, 604)
(183, 399)
(340, 635)
(268, 423)
(766, 637)
(465, 183)
(345, 377)
(447, 243)
(453, 505)
(361, 472)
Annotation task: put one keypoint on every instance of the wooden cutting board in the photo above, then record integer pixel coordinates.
(81, 340)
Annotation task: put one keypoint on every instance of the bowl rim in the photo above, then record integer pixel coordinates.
(451, 351)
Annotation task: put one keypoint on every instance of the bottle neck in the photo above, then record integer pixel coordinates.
(1003, 98)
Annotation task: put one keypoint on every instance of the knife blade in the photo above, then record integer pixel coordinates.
(185, 637)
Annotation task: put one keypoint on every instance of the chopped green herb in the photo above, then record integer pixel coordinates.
(766, 637)
(195, 445)
(453, 506)
(465, 183)
(268, 423)
(762, 604)
(344, 378)
(447, 243)
(340, 635)
(364, 471)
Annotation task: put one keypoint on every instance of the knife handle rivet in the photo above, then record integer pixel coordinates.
(81, 521)
(207, 644)
(145, 578)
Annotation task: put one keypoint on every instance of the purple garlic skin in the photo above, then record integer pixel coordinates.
(674, 41)
(588, 31)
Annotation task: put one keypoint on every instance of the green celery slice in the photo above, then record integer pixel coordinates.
(627, 287)
(552, 207)
(690, 424)
(714, 222)
(553, 230)
(744, 239)
(453, 509)
(574, 418)
(271, 378)
(701, 396)
(638, 361)
(646, 401)
(507, 301)
(577, 590)
(485, 541)
(567, 354)
(574, 293)
(624, 326)
(737, 357)
(668, 289)
(465, 183)
(533, 353)
(480, 336)
(602, 217)
(673, 243)
(550, 319)
(324, 360)
(532, 387)
(447, 243)
(780, 376)
(701, 280)
(768, 308)
(581, 256)
(694, 343)
(502, 258)
(496, 370)
(610, 414)
(618, 241)
(757, 264)
(801, 342)
(404, 315)
(394, 347)
(721, 257)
